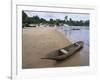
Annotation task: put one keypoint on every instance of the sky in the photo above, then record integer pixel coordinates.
(55, 15)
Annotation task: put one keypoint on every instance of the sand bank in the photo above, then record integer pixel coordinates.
(38, 42)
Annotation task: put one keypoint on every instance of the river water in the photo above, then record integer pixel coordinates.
(78, 33)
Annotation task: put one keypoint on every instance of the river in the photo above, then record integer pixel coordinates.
(78, 33)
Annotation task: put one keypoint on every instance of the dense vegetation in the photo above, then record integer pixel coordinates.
(37, 20)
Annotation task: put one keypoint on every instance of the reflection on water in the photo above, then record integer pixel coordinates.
(75, 34)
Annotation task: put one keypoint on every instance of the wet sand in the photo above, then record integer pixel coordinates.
(38, 42)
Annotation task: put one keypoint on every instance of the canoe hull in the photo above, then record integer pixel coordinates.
(58, 55)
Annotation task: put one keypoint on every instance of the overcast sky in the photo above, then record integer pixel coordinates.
(54, 15)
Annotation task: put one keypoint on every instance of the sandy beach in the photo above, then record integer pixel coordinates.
(38, 42)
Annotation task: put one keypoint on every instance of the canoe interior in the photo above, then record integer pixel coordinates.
(71, 49)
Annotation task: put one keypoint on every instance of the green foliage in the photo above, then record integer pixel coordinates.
(27, 25)
(36, 20)
(24, 17)
(43, 21)
(51, 21)
(86, 23)
(66, 18)
(78, 23)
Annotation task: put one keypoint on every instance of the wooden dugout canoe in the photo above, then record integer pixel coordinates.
(65, 52)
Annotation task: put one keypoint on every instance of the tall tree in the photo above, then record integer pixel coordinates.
(70, 22)
(51, 21)
(36, 19)
(66, 18)
(24, 18)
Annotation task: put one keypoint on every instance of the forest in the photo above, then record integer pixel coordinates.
(58, 22)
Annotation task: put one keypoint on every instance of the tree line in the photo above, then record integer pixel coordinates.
(37, 20)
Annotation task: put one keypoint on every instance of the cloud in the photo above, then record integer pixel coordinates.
(54, 15)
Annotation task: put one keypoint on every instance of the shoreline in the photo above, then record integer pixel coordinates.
(38, 42)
